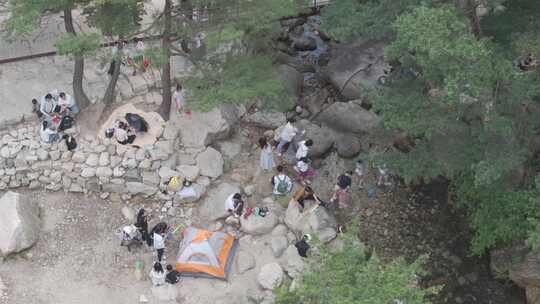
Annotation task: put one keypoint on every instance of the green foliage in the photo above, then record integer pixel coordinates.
(533, 236)
(347, 20)
(450, 57)
(500, 216)
(353, 275)
(85, 44)
(115, 17)
(238, 80)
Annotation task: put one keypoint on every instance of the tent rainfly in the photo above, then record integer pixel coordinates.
(205, 253)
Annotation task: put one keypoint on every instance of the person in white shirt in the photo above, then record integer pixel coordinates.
(159, 244)
(157, 275)
(303, 148)
(234, 204)
(178, 97)
(47, 135)
(47, 105)
(67, 102)
(287, 134)
(281, 182)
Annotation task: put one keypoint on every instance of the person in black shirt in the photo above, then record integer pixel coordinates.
(172, 276)
(341, 189)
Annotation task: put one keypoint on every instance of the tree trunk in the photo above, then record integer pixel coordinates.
(108, 98)
(78, 71)
(165, 108)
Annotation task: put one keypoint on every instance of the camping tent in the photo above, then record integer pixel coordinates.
(205, 253)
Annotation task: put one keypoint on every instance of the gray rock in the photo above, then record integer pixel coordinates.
(213, 206)
(55, 155)
(145, 164)
(348, 146)
(268, 120)
(292, 262)
(104, 159)
(348, 117)
(88, 172)
(205, 128)
(140, 154)
(229, 149)
(92, 160)
(280, 230)
(171, 131)
(140, 188)
(292, 79)
(279, 244)
(166, 173)
(304, 43)
(42, 154)
(104, 172)
(210, 162)
(270, 276)
(130, 163)
(115, 161)
(118, 172)
(188, 172)
(258, 225)
(56, 176)
(150, 178)
(78, 157)
(244, 261)
(4, 152)
(128, 214)
(19, 223)
(249, 190)
(356, 66)
(66, 155)
(323, 138)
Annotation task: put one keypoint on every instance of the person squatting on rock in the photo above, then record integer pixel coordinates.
(287, 134)
(234, 204)
(172, 276)
(303, 169)
(157, 275)
(267, 157)
(303, 148)
(142, 224)
(281, 183)
(47, 135)
(341, 190)
(305, 193)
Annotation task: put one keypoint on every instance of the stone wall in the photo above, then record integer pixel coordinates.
(101, 165)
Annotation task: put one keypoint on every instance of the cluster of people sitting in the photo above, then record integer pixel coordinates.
(527, 62)
(125, 132)
(55, 112)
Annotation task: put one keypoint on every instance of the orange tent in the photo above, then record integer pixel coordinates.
(205, 253)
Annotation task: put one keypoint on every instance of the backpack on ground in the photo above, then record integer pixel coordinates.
(282, 186)
(71, 143)
(66, 123)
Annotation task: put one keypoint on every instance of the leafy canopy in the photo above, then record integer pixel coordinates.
(353, 275)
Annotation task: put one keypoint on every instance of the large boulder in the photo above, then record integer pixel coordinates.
(318, 222)
(292, 262)
(348, 117)
(210, 162)
(278, 243)
(355, 66)
(19, 223)
(258, 225)
(527, 275)
(292, 79)
(314, 103)
(206, 127)
(268, 120)
(348, 146)
(323, 137)
(270, 276)
(213, 206)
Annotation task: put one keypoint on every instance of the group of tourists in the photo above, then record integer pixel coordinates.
(125, 130)
(133, 56)
(55, 112)
(137, 234)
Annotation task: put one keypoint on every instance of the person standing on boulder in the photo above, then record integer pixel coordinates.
(287, 134)
(267, 158)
